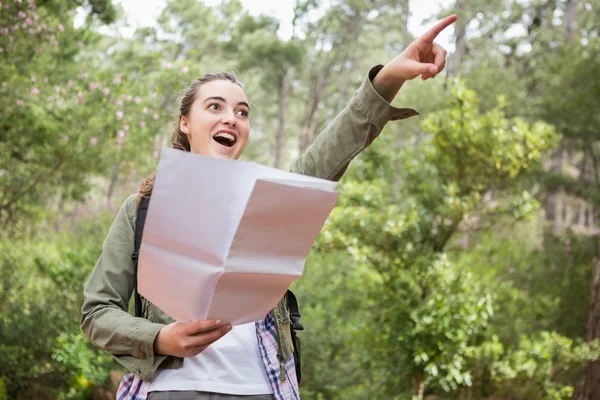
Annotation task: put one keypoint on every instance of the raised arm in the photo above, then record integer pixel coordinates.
(363, 119)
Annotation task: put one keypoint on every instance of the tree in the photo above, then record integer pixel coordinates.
(44, 353)
(340, 47)
(260, 49)
(573, 113)
(428, 312)
(47, 144)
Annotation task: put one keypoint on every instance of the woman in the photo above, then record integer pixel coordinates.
(209, 359)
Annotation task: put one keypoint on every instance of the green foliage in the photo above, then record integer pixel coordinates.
(430, 318)
(83, 366)
(42, 349)
(3, 395)
(434, 275)
(545, 365)
(476, 153)
(63, 119)
(538, 286)
(429, 313)
(334, 360)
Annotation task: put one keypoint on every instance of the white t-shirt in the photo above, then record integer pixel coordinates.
(231, 365)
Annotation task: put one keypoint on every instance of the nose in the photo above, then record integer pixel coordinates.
(229, 118)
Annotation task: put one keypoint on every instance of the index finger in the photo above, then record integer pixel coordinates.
(431, 34)
(198, 326)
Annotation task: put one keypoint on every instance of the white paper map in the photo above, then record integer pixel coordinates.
(225, 239)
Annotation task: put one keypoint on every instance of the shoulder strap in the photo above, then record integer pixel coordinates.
(292, 304)
(296, 325)
(139, 230)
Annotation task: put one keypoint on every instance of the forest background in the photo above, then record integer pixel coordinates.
(462, 259)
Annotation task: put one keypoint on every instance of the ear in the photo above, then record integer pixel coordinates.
(184, 125)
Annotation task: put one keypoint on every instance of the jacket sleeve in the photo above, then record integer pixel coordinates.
(105, 319)
(352, 130)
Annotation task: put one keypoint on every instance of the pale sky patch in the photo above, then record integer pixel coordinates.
(145, 12)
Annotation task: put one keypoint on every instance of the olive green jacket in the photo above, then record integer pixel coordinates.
(105, 319)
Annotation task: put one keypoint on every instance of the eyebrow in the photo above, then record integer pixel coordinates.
(242, 103)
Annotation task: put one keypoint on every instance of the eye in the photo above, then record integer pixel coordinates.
(243, 113)
(214, 106)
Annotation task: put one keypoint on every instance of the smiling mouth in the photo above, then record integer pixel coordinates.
(225, 139)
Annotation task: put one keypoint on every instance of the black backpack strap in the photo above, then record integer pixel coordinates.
(139, 230)
(294, 311)
(296, 325)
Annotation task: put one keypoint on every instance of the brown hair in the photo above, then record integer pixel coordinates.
(179, 139)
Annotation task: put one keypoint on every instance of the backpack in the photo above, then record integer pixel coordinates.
(292, 302)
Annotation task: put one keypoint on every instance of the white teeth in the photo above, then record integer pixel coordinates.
(225, 135)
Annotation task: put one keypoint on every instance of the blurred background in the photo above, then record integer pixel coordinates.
(461, 261)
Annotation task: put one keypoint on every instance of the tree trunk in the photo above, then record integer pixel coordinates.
(460, 29)
(400, 139)
(309, 130)
(421, 390)
(553, 204)
(114, 179)
(554, 200)
(406, 35)
(589, 382)
(345, 93)
(283, 98)
(320, 81)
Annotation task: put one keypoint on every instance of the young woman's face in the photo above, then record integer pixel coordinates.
(218, 124)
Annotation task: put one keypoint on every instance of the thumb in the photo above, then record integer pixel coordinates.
(415, 68)
(195, 327)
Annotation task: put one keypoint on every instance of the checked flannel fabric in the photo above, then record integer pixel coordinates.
(133, 388)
